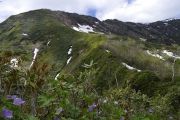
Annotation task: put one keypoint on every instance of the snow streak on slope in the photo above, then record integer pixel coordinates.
(24, 34)
(129, 67)
(69, 60)
(70, 50)
(35, 54)
(48, 43)
(56, 76)
(107, 51)
(155, 55)
(170, 54)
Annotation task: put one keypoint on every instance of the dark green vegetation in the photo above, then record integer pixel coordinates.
(51, 32)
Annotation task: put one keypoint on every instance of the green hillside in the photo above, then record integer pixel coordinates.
(123, 67)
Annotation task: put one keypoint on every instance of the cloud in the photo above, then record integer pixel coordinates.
(124, 10)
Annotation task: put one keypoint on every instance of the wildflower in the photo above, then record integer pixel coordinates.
(58, 111)
(56, 118)
(105, 101)
(7, 113)
(100, 112)
(11, 97)
(121, 119)
(125, 111)
(115, 102)
(91, 107)
(170, 117)
(18, 101)
(150, 111)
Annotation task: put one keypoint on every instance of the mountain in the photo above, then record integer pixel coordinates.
(87, 68)
(121, 49)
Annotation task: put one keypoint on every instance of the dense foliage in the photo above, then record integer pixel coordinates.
(32, 94)
(131, 78)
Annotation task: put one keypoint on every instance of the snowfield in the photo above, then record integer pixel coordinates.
(85, 29)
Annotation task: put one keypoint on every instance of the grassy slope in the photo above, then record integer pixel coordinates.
(41, 28)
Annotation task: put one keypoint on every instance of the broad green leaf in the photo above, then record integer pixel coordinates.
(32, 84)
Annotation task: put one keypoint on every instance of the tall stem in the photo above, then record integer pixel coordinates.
(173, 69)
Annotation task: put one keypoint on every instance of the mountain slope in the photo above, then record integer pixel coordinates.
(121, 49)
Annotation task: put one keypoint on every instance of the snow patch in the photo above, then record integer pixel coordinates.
(143, 39)
(175, 28)
(24, 34)
(107, 51)
(170, 54)
(166, 24)
(57, 76)
(155, 55)
(170, 19)
(85, 29)
(34, 57)
(97, 22)
(151, 36)
(75, 28)
(48, 42)
(70, 50)
(69, 60)
(129, 67)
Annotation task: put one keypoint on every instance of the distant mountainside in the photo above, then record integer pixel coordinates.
(122, 50)
(69, 66)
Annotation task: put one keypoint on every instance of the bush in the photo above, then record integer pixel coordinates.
(146, 82)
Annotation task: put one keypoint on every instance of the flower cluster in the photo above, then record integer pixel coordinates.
(58, 111)
(92, 107)
(9, 113)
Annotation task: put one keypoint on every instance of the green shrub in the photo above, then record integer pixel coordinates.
(146, 82)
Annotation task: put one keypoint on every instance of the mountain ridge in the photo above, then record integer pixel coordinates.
(118, 47)
(160, 29)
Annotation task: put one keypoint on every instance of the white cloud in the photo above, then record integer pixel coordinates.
(136, 10)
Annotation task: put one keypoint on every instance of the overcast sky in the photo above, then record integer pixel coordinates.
(124, 10)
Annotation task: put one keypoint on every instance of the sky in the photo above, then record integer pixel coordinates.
(143, 11)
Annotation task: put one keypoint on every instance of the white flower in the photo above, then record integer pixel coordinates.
(105, 101)
(115, 102)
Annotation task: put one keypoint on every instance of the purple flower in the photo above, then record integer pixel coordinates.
(170, 117)
(56, 118)
(121, 119)
(150, 111)
(18, 101)
(11, 97)
(58, 111)
(91, 107)
(7, 113)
